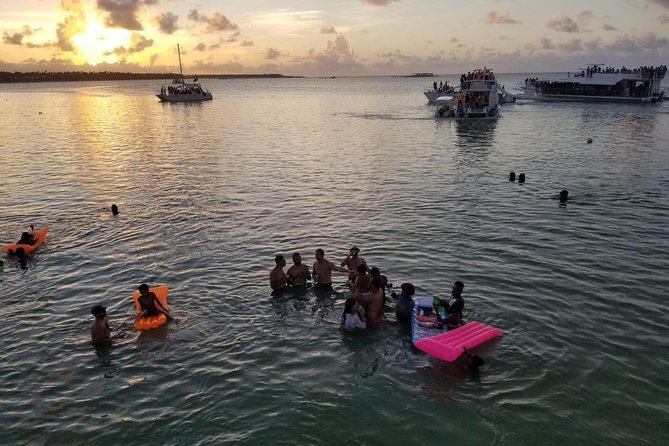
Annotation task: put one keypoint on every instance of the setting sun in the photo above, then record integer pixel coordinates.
(97, 43)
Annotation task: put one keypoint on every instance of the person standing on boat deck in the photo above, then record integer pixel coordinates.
(323, 268)
(298, 273)
(277, 278)
(352, 261)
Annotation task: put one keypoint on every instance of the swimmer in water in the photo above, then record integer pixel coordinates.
(100, 332)
(298, 274)
(277, 277)
(322, 270)
(352, 261)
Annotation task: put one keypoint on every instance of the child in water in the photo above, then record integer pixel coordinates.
(100, 333)
(353, 318)
(150, 304)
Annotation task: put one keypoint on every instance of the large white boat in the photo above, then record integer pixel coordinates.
(478, 98)
(599, 84)
(182, 91)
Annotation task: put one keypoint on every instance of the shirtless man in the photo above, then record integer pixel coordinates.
(298, 274)
(322, 270)
(100, 333)
(277, 278)
(352, 261)
(373, 303)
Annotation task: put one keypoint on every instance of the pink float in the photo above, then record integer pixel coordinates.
(448, 346)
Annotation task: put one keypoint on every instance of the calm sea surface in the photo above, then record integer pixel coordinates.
(210, 192)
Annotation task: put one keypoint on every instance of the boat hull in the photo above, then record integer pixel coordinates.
(583, 98)
(185, 97)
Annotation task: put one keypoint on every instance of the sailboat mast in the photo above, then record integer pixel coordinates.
(181, 71)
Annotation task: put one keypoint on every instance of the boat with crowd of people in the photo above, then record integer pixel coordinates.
(598, 83)
(478, 97)
(182, 91)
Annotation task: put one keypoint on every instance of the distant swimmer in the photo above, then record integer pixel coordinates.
(521, 178)
(405, 303)
(277, 277)
(149, 303)
(589, 141)
(563, 196)
(322, 270)
(373, 303)
(298, 273)
(352, 261)
(114, 209)
(100, 332)
(512, 176)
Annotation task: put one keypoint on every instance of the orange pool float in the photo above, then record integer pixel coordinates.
(149, 322)
(39, 235)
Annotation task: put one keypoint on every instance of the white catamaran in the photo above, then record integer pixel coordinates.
(182, 91)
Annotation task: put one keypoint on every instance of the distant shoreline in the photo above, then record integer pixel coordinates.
(7, 77)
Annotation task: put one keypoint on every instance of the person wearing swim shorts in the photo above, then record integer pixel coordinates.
(322, 270)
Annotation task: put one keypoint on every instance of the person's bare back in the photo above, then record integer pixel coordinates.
(373, 304)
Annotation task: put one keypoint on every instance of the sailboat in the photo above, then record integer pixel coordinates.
(181, 91)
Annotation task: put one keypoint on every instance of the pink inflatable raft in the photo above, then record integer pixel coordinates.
(448, 344)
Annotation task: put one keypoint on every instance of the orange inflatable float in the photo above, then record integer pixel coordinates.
(39, 235)
(149, 322)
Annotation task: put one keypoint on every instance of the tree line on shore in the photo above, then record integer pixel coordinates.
(63, 76)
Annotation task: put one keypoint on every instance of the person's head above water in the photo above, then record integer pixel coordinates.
(114, 209)
(374, 271)
(143, 288)
(457, 288)
(279, 260)
(319, 254)
(348, 305)
(25, 238)
(512, 176)
(297, 258)
(564, 195)
(521, 178)
(408, 289)
(477, 361)
(362, 269)
(354, 251)
(99, 311)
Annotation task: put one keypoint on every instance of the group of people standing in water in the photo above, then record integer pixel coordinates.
(364, 309)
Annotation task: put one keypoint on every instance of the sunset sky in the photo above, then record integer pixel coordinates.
(333, 37)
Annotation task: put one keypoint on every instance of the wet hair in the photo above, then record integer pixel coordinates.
(374, 270)
(348, 305)
(114, 209)
(512, 176)
(376, 282)
(408, 289)
(477, 361)
(459, 286)
(320, 251)
(362, 268)
(278, 259)
(296, 254)
(143, 287)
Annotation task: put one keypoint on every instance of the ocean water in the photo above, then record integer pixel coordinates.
(209, 193)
